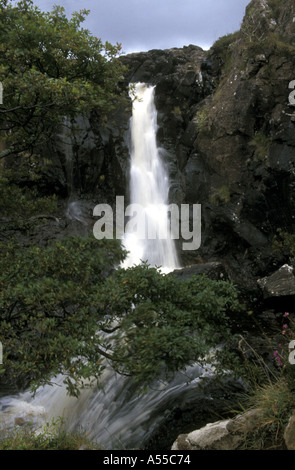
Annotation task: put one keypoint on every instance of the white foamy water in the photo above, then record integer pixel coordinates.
(149, 186)
(111, 413)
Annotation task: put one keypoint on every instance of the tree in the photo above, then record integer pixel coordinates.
(64, 309)
(22, 207)
(163, 324)
(51, 68)
(48, 308)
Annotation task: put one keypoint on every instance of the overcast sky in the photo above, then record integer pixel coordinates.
(141, 25)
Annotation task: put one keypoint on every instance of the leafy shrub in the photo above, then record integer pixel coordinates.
(23, 202)
(62, 311)
(222, 49)
(166, 323)
(49, 306)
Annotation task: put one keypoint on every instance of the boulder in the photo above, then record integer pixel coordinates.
(213, 270)
(289, 434)
(279, 284)
(222, 435)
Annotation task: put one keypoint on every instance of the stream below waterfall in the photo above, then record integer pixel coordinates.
(111, 412)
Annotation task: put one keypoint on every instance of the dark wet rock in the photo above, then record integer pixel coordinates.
(193, 409)
(213, 270)
(279, 284)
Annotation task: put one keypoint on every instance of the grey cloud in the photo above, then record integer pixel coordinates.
(150, 24)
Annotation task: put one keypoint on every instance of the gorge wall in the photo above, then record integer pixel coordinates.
(226, 129)
(225, 125)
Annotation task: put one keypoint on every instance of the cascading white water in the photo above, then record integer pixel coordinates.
(111, 413)
(149, 186)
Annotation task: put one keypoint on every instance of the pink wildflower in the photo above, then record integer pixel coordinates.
(279, 361)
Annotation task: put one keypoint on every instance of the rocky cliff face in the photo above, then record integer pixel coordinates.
(226, 127)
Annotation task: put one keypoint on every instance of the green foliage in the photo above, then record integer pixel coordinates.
(270, 388)
(284, 242)
(222, 195)
(177, 111)
(165, 323)
(62, 312)
(222, 48)
(260, 144)
(276, 7)
(255, 24)
(49, 308)
(272, 43)
(276, 402)
(202, 116)
(52, 437)
(283, 353)
(221, 45)
(50, 68)
(20, 206)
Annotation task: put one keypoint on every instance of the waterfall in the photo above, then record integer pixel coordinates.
(111, 413)
(149, 186)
